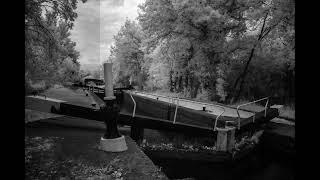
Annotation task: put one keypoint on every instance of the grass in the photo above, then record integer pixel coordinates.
(32, 115)
(43, 162)
(69, 153)
(72, 95)
(39, 86)
(288, 111)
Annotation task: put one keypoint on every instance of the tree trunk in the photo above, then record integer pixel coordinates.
(170, 81)
(236, 93)
(176, 82)
(196, 88)
(186, 80)
(180, 84)
(243, 75)
(140, 85)
(191, 85)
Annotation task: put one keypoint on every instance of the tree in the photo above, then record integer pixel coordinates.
(272, 15)
(200, 28)
(48, 47)
(127, 54)
(158, 71)
(96, 74)
(211, 44)
(69, 71)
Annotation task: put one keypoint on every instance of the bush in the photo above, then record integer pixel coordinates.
(35, 87)
(203, 95)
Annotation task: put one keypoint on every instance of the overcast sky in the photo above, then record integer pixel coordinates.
(98, 21)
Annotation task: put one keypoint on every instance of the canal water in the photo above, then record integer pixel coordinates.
(261, 164)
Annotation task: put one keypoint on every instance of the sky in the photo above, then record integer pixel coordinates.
(97, 22)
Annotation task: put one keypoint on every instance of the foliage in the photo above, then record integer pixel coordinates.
(272, 21)
(50, 54)
(126, 54)
(193, 35)
(226, 49)
(68, 72)
(158, 71)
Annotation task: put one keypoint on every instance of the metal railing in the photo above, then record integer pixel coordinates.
(45, 97)
(176, 111)
(102, 89)
(134, 105)
(171, 101)
(216, 122)
(209, 105)
(254, 115)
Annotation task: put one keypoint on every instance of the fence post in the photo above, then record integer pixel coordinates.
(225, 138)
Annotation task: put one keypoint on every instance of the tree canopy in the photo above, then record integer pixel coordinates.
(126, 53)
(230, 49)
(49, 52)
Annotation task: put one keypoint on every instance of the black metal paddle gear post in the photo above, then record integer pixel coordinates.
(111, 141)
(136, 132)
(111, 115)
(110, 111)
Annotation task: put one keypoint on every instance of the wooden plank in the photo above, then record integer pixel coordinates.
(161, 124)
(196, 101)
(231, 139)
(225, 139)
(222, 139)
